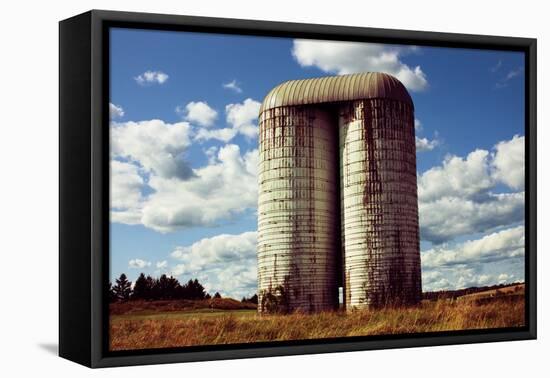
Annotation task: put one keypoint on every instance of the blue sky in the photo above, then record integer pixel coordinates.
(184, 149)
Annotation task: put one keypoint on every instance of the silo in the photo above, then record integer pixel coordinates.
(380, 239)
(337, 194)
(298, 226)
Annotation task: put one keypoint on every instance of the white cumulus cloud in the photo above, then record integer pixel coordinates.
(233, 85)
(352, 57)
(425, 144)
(497, 246)
(126, 184)
(223, 135)
(216, 192)
(153, 185)
(449, 217)
(161, 264)
(504, 278)
(494, 258)
(509, 162)
(198, 112)
(151, 77)
(460, 197)
(457, 177)
(417, 125)
(243, 118)
(155, 145)
(115, 111)
(224, 263)
(463, 277)
(138, 264)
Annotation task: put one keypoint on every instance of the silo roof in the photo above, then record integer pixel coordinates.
(328, 89)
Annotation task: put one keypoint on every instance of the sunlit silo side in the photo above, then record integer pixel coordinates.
(379, 212)
(298, 225)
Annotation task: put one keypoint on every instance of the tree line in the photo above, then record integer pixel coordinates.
(149, 288)
(252, 299)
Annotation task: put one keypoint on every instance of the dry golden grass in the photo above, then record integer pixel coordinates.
(200, 328)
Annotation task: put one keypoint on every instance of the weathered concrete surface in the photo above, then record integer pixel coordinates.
(380, 240)
(298, 219)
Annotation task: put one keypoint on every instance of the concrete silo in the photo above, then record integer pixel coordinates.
(338, 196)
(298, 210)
(380, 241)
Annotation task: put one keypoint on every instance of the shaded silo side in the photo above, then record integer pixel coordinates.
(298, 226)
(380, 231)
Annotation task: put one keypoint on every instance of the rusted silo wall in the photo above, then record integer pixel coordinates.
(298, 210)
(379, 212)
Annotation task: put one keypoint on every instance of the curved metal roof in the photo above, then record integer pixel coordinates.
(336, 88)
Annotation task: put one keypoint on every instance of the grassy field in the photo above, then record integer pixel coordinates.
(148, 325)
(175, 315)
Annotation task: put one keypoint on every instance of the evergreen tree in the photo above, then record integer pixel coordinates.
(154, 294)
(123, 288)
(142, 288)
(168, 288)
(173, 288)
(253, 299)
(193, 290)
(112, 296)
(161, 287)
(151, 286)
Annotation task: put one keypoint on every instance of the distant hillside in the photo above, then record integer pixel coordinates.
(477, 291)
(160, 306)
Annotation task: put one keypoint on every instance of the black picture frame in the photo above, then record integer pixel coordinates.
(84, 186)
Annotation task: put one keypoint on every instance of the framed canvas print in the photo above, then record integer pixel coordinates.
(234, 188)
